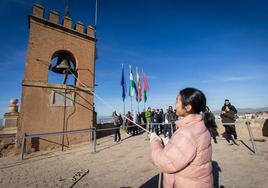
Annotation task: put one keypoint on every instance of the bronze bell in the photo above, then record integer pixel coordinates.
(62, 67)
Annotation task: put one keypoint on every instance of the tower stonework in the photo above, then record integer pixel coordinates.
(42, 108)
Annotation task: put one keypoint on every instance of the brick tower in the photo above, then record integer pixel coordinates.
(55, 107)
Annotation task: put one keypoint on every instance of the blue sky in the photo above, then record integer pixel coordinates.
(219, 47)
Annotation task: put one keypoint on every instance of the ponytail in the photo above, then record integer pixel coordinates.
(210, 123)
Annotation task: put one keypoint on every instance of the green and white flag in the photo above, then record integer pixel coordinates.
(144, 95)
(132, 84)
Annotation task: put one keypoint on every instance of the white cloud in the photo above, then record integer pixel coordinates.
(239, 78)
(217, 79)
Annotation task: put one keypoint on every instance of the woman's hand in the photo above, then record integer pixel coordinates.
(165, 141)
(153, 136)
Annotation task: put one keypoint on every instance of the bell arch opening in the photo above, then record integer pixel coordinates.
(62, 67)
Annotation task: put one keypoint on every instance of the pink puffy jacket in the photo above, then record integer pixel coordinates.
(186, 159)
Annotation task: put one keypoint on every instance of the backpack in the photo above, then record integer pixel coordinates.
(129, 122)
(120, 120)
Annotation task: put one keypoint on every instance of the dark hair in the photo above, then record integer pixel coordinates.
(197, 99)
(229, 104)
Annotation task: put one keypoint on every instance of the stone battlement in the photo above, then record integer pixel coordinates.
(38, 11)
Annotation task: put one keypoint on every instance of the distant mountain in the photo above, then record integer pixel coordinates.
(104, 119)
(246, 110)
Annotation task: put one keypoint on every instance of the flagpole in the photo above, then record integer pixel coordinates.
(138, 108)
(124, 107)
(144, 105)
(96, 13)
(131, 105)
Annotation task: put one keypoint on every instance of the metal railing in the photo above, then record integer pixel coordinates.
(128, 126)
(99, 130)
(251, 137)
(93, 132)
(25, 137)
(149, 126)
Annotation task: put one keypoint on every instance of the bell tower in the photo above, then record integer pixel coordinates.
(57, 49)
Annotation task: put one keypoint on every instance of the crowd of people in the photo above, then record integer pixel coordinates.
(160, 122)
(154, 120)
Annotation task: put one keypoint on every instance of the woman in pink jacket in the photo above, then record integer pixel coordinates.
(185, 159)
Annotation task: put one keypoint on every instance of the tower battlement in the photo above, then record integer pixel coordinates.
(54, 18)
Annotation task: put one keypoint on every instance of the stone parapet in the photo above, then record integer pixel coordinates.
(39, 12)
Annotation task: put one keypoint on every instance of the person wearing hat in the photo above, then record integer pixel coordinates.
(228, 116)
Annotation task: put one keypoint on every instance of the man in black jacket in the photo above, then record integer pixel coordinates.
(171, 117)
(143, 116)
(228, 116)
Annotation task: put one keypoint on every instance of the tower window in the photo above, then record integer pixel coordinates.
(62, 69)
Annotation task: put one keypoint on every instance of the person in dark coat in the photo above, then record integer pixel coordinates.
(155, 119)
(138, 121)
(162, 120)
(171, 116)
(228, 116)
(117, 123)
(129, 123)
(158, 117)
(143, 117)
(167, 131)
(152, 116)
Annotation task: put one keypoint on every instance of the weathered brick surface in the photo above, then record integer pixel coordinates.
(46, 39)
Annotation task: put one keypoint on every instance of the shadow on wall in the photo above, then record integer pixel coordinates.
(265, 128)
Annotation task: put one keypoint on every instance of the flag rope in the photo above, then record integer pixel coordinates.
(107, 104)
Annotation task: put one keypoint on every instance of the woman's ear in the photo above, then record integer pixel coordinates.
(188, 108)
